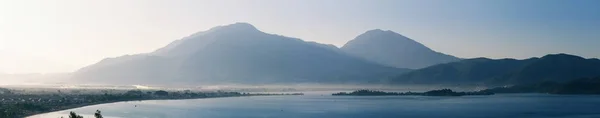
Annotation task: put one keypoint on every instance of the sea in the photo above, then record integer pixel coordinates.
(323, 105)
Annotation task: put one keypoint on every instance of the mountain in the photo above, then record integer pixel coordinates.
(577, 86)
(237, 53)
(392, 49)
(553, 67)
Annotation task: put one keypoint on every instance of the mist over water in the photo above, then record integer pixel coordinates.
(256, 88)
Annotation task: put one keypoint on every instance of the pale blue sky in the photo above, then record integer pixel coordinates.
(64, 35)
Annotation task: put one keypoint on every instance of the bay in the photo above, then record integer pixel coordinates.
(323, 105)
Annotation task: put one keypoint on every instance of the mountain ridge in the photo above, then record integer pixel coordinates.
(552, 67)
(238, 53)
(393, 49)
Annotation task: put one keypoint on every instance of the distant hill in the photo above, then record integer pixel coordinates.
(554, 67)
(576, 86)
(392, 49)
(237, 53)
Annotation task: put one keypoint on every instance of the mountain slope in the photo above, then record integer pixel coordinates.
(238, 53)
(558, 68)
(555, 67)
(392, 49)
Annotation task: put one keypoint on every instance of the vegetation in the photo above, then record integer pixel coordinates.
(581, 86)
(21, 103)
(367, 93)
(578, 86)
(442, 92)
(494, 72)
(98, 114)
(5, 91)
(74, 115)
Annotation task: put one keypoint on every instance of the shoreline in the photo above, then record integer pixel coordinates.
(29, 112)
(92, 104)
(440, 92)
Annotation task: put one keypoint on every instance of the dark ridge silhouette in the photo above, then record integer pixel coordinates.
(553, 67)
(580, 86)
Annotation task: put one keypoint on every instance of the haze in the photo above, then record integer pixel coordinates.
(65, 35)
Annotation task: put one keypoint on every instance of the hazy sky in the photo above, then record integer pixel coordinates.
(64, 35)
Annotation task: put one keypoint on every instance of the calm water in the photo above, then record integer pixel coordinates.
(317, 106)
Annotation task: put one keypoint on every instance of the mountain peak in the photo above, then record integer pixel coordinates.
(376, 30)
(379, 32)
(562, 56)
(196, 41)
(239, 26)
(393, 49)
(385, 36)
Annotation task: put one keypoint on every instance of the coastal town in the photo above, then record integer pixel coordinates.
(17, 103)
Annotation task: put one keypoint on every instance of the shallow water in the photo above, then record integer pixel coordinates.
(322, 105)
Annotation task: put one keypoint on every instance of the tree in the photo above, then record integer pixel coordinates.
(5, 91)
(74, 115)
(161, 93)
(97, 114)
(134, 93)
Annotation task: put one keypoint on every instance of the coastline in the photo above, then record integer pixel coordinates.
(109, 102)
(440, 92)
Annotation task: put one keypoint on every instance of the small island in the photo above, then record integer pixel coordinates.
(441, 92)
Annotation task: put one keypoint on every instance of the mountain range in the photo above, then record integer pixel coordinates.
(240, 53)
(237, 53)
(552, 67)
